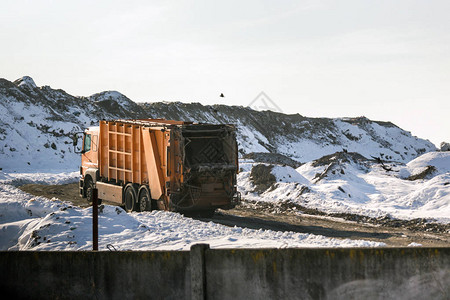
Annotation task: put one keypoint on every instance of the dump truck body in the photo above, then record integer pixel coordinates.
(164, 164)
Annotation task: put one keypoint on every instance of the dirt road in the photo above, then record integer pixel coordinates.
(330, 227)
(65, 192)
(394, 233)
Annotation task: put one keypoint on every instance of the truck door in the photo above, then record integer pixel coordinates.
(89, 157)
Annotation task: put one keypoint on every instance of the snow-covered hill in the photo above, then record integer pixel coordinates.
(349, 183)
(37, 123)
(301, 138)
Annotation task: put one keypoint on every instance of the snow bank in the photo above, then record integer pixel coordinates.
(439, 160)
(39, 178)
(288, 174)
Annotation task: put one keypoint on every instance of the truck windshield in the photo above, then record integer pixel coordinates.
(87, 143)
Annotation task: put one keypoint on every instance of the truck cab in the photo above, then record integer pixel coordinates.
(89, 161)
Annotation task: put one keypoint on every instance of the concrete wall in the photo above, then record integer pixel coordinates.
(202, 273)
(95, 275)
(329, 274)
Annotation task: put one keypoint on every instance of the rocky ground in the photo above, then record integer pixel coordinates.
(290, 217)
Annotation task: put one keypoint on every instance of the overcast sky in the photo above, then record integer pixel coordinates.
(386, 60)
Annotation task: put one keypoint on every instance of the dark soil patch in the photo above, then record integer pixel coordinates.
(340, 157)
(262, 177)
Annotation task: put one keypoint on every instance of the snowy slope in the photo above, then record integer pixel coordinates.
(37, 123)
(341, 184)
(37, 223)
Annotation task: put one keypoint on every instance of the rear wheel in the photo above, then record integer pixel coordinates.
(129, 196)
(144, 200)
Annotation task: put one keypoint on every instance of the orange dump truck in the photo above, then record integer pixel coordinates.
(161, 164)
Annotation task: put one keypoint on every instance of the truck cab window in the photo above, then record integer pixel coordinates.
(87, 143)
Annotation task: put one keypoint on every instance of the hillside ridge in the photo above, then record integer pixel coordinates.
(37, 124)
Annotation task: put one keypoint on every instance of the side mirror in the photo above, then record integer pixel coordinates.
(75, 138)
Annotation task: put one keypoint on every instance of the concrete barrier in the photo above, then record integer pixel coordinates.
(95, 275)
(203, 273)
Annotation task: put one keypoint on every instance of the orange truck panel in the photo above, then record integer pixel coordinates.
(153, 162)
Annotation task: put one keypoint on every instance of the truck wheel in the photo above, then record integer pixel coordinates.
(129, 198)
(89, 185)
(144, 200)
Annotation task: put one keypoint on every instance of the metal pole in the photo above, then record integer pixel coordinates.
(95, 219)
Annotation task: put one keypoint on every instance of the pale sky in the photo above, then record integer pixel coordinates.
(386, 60)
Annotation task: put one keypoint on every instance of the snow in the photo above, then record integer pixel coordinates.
(249, 139)
(439, 160)
(26, 81)
(372, 192)
(288, 174)
(37, 223)
(39, 178)
(369, 139)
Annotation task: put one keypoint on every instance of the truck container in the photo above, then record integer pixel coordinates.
(161, 164)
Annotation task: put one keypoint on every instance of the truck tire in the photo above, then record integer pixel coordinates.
(144, 201)
(129, 198)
